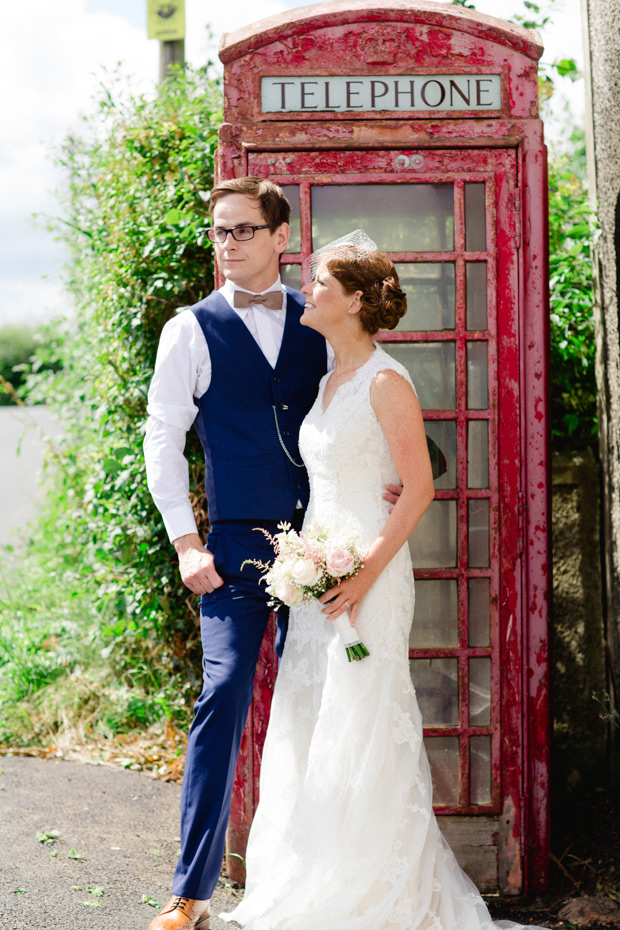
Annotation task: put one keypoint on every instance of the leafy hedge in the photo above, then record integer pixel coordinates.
(135, 215)
(573, 383)
(18, 344)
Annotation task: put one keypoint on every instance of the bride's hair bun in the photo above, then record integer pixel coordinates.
(383, 301)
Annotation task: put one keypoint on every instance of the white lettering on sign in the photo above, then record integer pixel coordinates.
(391, 92)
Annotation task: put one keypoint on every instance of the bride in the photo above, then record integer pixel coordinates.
(344, 837)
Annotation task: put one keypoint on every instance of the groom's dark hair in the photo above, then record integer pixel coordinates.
(270, 198)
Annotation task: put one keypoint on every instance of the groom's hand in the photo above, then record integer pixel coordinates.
(196, 565)
(392, 493)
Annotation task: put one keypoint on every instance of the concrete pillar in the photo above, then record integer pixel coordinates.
(601, 20)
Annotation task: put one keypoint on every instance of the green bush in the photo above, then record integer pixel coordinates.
(18, 344)
(135, 219)
(573, 383)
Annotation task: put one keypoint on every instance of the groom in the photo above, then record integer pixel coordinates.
(240, 368)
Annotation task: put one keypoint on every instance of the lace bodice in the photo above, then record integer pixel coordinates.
(347, 455)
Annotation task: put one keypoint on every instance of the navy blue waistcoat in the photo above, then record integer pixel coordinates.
(247, 473)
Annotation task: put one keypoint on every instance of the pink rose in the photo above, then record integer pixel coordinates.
(288, 593)
(339, 563)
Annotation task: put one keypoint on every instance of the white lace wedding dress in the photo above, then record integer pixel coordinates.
(344, 837)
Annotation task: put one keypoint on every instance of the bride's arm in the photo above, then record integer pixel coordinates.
(399, 413)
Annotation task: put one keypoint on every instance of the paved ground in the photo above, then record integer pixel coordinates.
(124, 827)
(117, 842)
(22, 432)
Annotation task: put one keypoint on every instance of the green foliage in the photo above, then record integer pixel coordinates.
(21, 349)
(135, 219)
(573, 385)
(536, 15)
(54, 674)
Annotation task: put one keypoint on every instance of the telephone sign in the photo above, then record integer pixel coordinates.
(436, 93)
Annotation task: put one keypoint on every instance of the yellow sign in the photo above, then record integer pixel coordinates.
(166, 21)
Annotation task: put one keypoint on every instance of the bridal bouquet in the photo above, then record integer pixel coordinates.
(308, 564)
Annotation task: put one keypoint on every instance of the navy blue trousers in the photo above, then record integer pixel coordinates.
(233, 620)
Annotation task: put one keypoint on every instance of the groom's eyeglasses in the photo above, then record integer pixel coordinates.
(240, 233)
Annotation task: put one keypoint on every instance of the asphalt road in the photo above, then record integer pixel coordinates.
(122, 826)
(22, 439)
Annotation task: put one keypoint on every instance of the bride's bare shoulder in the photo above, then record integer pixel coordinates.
(391, 386)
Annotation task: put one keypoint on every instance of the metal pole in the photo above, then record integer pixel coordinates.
(170, 53)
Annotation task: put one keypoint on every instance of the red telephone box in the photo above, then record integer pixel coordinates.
(418, 122)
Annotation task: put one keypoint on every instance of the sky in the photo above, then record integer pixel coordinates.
(53, 57)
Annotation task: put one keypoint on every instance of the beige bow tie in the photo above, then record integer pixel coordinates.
(271, 299)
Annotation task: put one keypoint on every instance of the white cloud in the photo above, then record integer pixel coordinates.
(221, 17)
(51, 55)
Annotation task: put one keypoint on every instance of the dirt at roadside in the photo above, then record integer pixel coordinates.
(585, 867)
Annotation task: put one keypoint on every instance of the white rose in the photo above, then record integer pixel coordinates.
(284, 566)
(305, 572)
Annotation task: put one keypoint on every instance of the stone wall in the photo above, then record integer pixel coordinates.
(579, 650)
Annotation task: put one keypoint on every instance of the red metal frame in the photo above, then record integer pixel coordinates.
(460, 336)
(506, 151)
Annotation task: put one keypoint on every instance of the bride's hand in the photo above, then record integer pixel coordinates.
(348, 595)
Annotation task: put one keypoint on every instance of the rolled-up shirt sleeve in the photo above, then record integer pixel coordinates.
(182, 372)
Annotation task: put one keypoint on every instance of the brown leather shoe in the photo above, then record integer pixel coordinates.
(182, 914)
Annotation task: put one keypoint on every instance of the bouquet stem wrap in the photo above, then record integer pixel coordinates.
(355, 648)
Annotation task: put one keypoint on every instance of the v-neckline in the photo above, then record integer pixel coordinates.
(348, 381)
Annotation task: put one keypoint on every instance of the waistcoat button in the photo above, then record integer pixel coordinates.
(276, 380)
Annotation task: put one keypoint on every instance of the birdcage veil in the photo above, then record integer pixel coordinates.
(355, 244)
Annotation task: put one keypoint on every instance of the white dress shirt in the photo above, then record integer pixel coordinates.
(182, 373)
